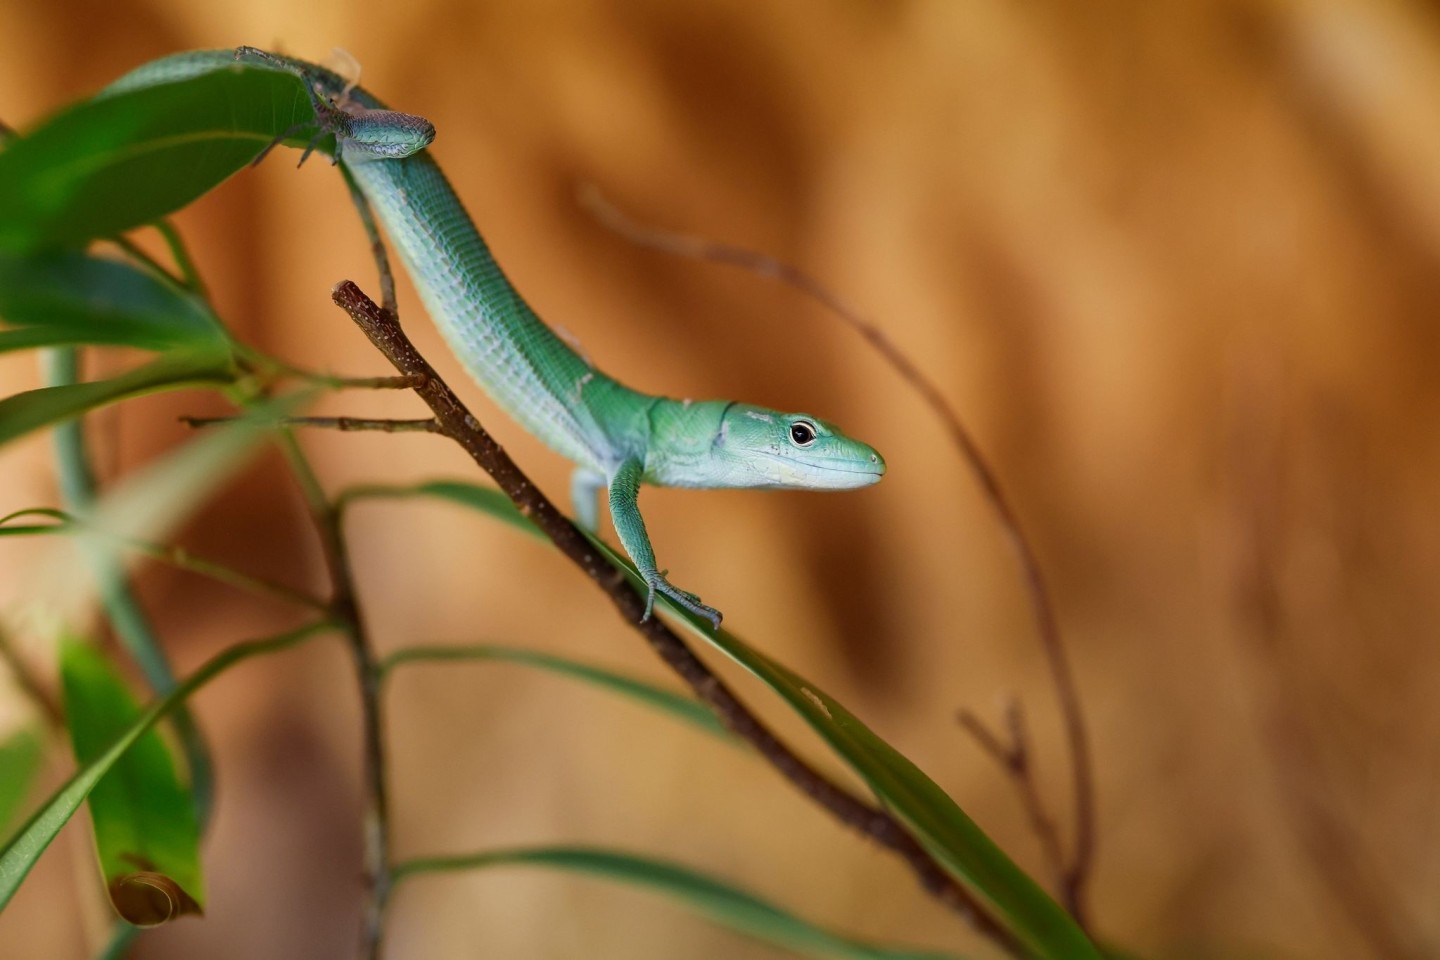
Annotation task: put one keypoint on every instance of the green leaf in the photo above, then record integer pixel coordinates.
(722, 902)
(20, 755)
(19, 854)
(126, 614)
(666, 701)
(146, 833)
(33, 409)
(57, 298)
(124, 160)
(145, 505)
(955, 840)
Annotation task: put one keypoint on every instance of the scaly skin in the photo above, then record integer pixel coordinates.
(618, 438)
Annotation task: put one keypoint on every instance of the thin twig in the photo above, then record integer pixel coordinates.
(388, 299)
(169, 554)
(365, 383)
(346, 610)
(332, 423)
(274, 367)
(1014, 758)
(461, 426)
(1077, 872)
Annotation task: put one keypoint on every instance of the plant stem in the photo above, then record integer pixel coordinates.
(174, 556)
(1014, 758)
(345, 609)
(344, 424)
(126, 615)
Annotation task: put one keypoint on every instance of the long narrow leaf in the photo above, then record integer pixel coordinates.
(20, 755)
(66, 297)
(79, 490)
(946, 831)
(33, 409)
(118, 162)
(148, 504)
(658, 698)
(147, 835)
(722, 902)
(19, 854)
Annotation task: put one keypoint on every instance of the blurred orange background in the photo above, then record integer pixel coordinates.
(1176, 265)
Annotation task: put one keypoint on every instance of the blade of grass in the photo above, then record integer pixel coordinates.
(174, 556)
(23, 412)
(722, 902)
(20, 755)
(658, 698)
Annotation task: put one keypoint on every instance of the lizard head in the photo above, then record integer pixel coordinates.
(766, 448)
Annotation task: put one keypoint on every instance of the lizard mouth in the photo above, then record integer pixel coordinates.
(829, 474)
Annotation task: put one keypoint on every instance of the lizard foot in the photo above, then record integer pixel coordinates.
(686, 599)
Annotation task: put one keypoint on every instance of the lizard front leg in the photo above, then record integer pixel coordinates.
(625, 513)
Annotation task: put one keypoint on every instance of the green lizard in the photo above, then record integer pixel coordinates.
(617, 437)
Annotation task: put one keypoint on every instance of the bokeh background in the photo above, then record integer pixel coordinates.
(1176, 264)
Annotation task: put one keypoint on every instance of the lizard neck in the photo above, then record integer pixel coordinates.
(682, 440)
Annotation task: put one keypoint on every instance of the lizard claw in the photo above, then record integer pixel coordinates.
(686, 599)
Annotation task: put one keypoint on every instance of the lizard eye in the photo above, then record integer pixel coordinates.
(802, 433)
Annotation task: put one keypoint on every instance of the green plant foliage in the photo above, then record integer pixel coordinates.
(146, 833)
(79, 491)
(68, 297)
(20, 755)
(942, 827)
(121, 161)
(723, 903)
(658, 698)
(33, 409)
(20, 853)
(61, 522)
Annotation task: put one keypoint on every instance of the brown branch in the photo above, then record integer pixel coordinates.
(346, 610)
(460, 425)
(344, 424)
(1061, 675)
(1014, 758)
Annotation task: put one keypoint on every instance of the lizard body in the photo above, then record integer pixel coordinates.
(617, 437)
